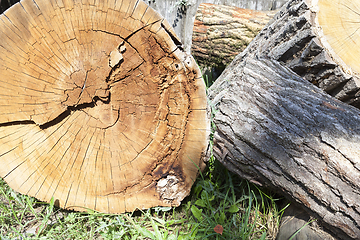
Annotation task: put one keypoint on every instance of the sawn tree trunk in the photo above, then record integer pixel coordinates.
(221, 32)
(276, 129)
(319, 41)
(99, 106)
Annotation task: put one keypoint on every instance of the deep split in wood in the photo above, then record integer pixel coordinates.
(99, 106)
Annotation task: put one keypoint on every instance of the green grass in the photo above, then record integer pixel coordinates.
(218, 197)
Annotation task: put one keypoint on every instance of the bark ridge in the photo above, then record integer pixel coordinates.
(276, 129)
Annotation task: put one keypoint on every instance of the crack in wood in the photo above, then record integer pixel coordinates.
(107, 107)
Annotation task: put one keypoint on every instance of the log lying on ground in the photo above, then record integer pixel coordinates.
(276, 129)
(319, 40)
(221, 32)
(99, 107)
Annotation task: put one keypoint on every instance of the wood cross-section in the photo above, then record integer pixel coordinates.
(99, 106)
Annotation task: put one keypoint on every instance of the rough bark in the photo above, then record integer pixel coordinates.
(99, 107)
(276, 129)
(318, 41)
(221, 32)
(294, 219)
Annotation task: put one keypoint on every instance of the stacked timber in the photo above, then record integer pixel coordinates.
(276, 129)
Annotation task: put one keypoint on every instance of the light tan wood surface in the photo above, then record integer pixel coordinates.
(99, 106)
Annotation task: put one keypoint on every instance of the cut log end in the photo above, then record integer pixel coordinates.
(100, 109)
(338, 23)
(318, 41)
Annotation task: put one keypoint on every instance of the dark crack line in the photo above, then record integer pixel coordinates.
(131, 34)
(68, 162)
(75, 158)
(341, 175)
(56, 120)
(71, 109)
(34, 148)
(56, 168)
(128, 74)
(12, 123)
(173, 38)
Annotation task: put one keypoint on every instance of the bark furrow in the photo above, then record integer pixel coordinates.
(276, 129)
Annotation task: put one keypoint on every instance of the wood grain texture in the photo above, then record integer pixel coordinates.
(99, 106)
(318, 40)
(278, 130)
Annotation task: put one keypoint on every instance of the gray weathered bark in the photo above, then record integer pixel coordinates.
(276, 129)
(295, 38)
(294, 219)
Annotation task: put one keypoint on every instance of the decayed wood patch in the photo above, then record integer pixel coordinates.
(98, 105)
